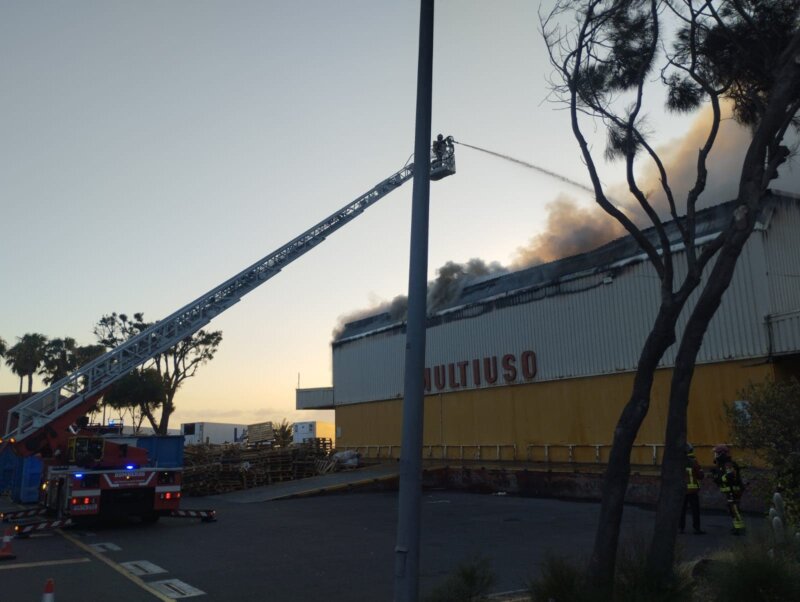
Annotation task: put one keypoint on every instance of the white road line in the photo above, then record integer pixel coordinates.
(105, 547)
(142, 567)
(154, 592)
(175, 589)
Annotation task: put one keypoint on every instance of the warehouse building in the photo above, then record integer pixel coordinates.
(537, 364)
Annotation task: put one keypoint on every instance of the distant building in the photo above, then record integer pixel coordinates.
(313, 429)
(147, 430)
(8, 401)
(213, 432)
(538, 363)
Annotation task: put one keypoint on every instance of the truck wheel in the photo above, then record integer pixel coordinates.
(61, 500)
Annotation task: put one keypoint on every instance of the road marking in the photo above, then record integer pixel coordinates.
(176, 589)
(142, 567)
(105, 547)
(116, 567)
(30, 565)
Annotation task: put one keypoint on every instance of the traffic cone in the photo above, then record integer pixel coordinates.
(49, 591)
(5, 551)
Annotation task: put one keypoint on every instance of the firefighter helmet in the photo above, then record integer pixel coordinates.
(721, 450)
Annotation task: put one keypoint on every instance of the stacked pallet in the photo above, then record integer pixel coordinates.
(323, 445)
(210, 469)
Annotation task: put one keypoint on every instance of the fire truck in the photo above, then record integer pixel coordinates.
(88, 473)
(111, 476)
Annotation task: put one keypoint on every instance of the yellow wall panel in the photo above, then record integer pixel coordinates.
(580, 412)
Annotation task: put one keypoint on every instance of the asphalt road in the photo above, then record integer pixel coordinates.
(334, 547)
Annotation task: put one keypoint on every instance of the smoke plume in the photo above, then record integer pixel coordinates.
(571, 229)
(397, 309)
(680, 161)
(451, 278)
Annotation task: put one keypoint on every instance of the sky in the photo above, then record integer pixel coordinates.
(152, 150)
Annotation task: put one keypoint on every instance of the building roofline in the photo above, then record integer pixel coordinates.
(612, 255)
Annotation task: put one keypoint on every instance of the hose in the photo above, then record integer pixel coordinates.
(552, 174)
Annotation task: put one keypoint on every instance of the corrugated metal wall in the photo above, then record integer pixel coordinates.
(783, 258)
(785, 332)
(581, 327)
(369, 368)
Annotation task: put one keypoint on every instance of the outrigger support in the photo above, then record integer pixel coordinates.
(18, 514)
(24, 530)
(206, 516)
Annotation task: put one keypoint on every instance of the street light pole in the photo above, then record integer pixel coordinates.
(410, 497)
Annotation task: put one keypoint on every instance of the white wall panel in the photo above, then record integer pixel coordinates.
(310, 399)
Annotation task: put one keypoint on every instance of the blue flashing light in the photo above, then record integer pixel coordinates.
(130, 466)
(78, 475)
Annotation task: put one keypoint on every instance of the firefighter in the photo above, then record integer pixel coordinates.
(728, 478)
(448, 145)
(439, 147)
(694, 475)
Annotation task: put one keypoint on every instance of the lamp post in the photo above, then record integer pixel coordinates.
(409, 499)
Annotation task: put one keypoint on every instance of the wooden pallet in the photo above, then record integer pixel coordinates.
(211, 469)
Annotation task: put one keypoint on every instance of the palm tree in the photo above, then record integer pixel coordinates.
(3, 347)
(86, 353)
(283, 434)
(59, 359)
(64, 356)
(26, 357)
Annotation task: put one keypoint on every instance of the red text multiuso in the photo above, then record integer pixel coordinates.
(491, 370)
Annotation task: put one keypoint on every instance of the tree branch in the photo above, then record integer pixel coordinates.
(570, 69)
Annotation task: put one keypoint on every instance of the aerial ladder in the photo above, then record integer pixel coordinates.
(45, 423)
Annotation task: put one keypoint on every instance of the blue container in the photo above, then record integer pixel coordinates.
(27, 480)
(163, 451)
(8, 468)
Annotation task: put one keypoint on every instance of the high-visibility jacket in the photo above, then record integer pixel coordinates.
(728, 478)
(730, 483)
(694, 474)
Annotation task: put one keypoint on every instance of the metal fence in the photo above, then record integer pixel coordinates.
(547, 453)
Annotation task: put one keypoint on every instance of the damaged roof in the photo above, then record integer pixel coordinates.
(625, 250)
